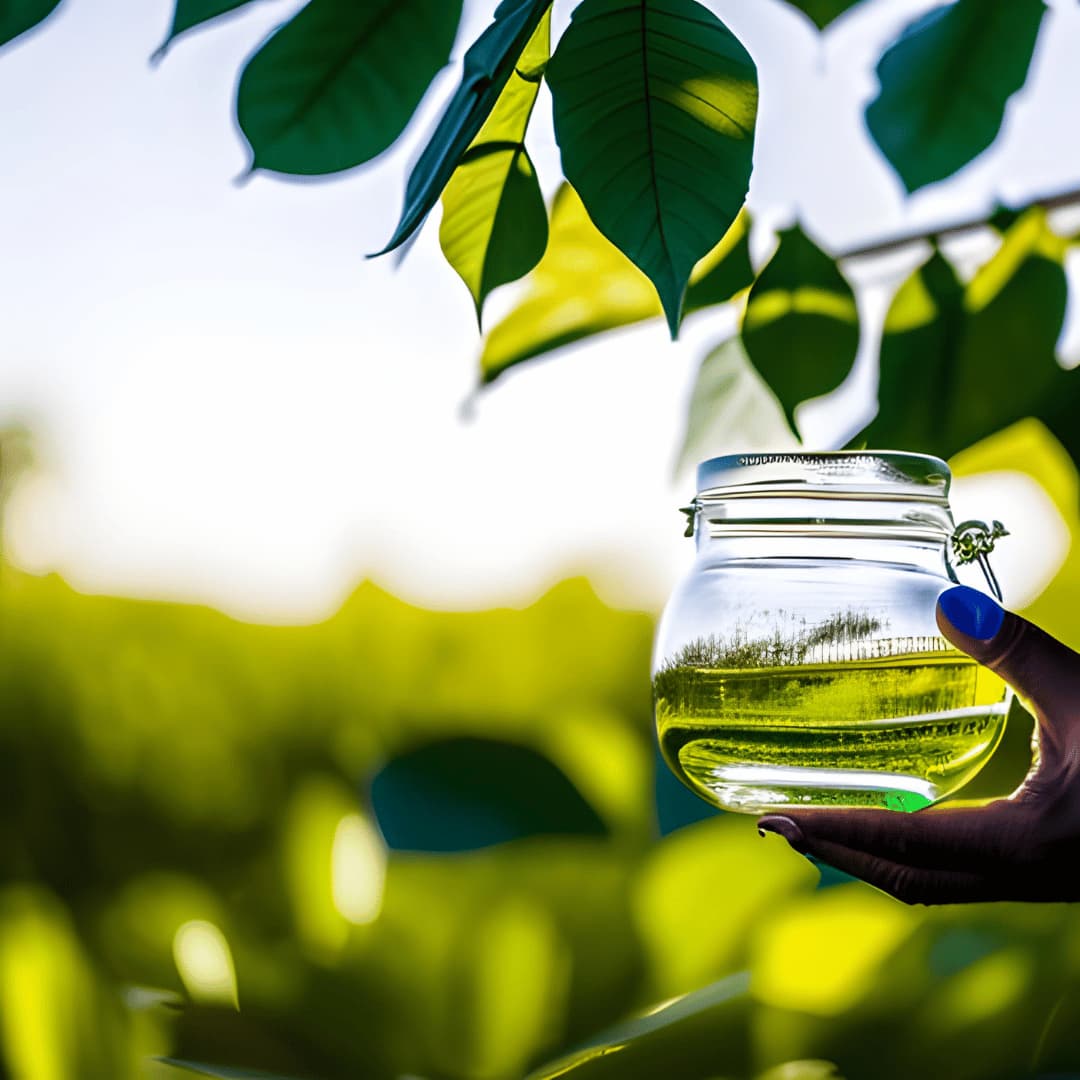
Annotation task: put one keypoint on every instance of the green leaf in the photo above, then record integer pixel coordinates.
(801, 328)
(959, 364)
(336, 85)
(584, 286)
(191, 13)
(223, 1072)
(487, 67)
(822, 12)
(945, 84)
(730, 407)
(681, 1037)
(494, 226)
(655, 107)
(18, 16)
(460, 794)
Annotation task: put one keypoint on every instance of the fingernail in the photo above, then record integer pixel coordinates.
(971, 612)
(785, 827)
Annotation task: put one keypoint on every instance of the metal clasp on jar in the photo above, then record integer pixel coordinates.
(972, 541)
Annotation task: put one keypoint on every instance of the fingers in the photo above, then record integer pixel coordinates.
(917, 865)
(964, 839)
(1042, 670)
(911, 884)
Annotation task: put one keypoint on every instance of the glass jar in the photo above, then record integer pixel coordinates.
(799, 662)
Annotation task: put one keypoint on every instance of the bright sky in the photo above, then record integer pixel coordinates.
(236, 407)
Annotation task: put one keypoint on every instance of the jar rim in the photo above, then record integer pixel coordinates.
(881, 473)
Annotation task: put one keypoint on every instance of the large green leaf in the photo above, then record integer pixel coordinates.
(487, 68)
(464, 793)
(801, 328)
(655, 108)
(494, 226)
(959, 364)
(730, 408)
(191, 13)
(336, 85)
(18, 16)
(822, 12)
(945, 84)
(584, 286)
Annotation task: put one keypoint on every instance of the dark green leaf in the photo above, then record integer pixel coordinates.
(822, 12)
(584, 286)
(465, 793)
(945, 84)
(18, 16)
(729, 407)
(223, 1072)
(494, 226)
(336, 85)
(487, 67)
(959, 364)
(191, 13)
(655, 107)
(801, 327)
(680, 1038)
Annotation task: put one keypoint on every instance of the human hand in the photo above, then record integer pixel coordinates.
(1025, 847)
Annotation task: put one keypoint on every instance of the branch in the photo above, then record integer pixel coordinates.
(883, 247)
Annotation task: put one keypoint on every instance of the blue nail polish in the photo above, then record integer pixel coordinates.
(971, 612)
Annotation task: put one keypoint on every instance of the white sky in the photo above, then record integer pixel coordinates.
(236, 407)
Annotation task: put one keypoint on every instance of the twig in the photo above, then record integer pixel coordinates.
(883, 247)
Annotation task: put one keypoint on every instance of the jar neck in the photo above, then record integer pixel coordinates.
(930, 556)
(908, 532)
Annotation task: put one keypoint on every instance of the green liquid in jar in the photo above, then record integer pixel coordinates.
(891, 723)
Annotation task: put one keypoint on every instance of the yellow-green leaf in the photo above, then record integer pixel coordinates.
(584, 285)
(494, 225)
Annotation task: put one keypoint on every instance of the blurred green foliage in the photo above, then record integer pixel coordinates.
(193, 876)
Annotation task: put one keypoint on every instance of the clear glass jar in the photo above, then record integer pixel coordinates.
(799, 662)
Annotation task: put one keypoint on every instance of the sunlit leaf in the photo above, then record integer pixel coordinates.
(487, 67)
(959, 364)
(822, 12)
(822, 952)
(730, 408)
(18, 16)
(655, 107)
(191, 13)
(494, 225)
(801, 328)
(584, 285)
(336, 85)
(945, 84)
(465, 793)
(695, 911)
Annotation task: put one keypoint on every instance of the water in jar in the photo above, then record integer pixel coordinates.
(840, 715)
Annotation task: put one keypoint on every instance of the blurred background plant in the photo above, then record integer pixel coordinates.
(403, 842)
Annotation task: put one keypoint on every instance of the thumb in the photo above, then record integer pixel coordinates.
(1044, 672)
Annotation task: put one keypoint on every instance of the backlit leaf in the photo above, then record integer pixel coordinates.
(191, 13)
(822, 12)
(959, 364)
(584, 285)
(464, 793)
(801, 328)
(730, 408)
(336, 85)
(655, 107)
(487, 68)
(945, 84)
(494, 225)
(18, 16)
